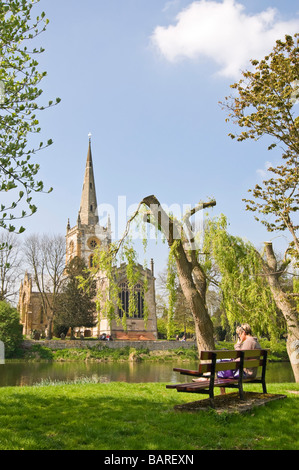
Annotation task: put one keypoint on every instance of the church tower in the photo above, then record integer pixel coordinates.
(87, 234)
(83, 239)
(88, 207)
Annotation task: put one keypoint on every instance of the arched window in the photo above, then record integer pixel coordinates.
(91, 261)
(124, 296)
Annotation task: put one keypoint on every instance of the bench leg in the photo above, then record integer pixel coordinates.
(212, 402)
(241, 393)
(222, 391)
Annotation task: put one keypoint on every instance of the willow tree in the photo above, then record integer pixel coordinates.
(246, 295)
(183, 251)
(19, 107)
(251, 286)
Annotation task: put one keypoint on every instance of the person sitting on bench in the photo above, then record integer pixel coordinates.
(245, 341)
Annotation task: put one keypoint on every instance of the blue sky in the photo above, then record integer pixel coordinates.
(145, 77)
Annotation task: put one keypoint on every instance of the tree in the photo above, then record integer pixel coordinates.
(252, 287)
(265, 105)
(10, 328)
(246, 296)
(10, 263)
(180, 315)
(75, 307)
(183, 251)
(45, 257)
(19, 104)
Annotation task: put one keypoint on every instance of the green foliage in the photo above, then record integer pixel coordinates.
(40, 352)
(246, 295)
(19, 105)
(10, 329)
(172, 292)
(264, 105)
(105, 263)
(74, 306)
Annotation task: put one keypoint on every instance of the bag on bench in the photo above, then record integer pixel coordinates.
(227, 374)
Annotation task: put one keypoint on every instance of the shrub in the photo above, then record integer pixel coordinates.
(10, 328)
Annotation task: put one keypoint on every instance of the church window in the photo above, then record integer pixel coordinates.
(91, 208)
(90, 185)
(124, 297)
(93, 243)
(41, 315)
(91, 261)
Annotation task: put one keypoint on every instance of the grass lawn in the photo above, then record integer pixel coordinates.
(124, 416)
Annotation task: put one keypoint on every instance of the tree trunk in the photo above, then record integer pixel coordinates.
(190, 275)
(287, 307)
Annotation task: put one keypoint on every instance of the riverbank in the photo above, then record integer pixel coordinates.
(88, 350)
(123, 416)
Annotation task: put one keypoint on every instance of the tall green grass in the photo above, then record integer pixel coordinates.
(123, 416)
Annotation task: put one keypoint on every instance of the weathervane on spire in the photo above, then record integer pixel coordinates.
(89, 136)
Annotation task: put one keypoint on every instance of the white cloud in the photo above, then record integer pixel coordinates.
(263, 172)
(223, 32)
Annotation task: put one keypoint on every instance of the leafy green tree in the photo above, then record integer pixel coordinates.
(252, 288)
(19, 105)
(75, 307)
(264, 103)
(246, 296)
(10, 328)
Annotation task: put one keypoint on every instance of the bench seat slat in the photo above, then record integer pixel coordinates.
(193, 386)
(187, 371)
(231, 365)
(222, 354)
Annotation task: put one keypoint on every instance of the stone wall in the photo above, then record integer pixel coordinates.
(70, 344)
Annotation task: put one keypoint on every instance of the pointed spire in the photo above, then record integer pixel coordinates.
(88, 207)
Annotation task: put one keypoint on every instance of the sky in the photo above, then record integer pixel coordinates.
(145, 78)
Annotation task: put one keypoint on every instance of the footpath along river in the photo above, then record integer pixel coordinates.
(30, 373)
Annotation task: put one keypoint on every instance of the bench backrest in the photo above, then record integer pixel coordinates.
(236, 359)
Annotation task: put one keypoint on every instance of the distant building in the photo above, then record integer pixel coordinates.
(81, 240)
(32, 309)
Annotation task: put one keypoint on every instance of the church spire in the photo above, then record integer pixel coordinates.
(88, 207)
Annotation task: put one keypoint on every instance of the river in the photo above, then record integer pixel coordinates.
(30, 373)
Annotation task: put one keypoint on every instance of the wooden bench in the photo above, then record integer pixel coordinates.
(238, 360)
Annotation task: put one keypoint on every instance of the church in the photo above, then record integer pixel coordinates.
(81, 240)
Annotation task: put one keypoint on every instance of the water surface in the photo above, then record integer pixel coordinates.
(30, 373)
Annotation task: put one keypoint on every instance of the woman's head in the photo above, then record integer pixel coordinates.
(244, 328)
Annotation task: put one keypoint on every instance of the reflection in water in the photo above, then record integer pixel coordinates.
(22, 373)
